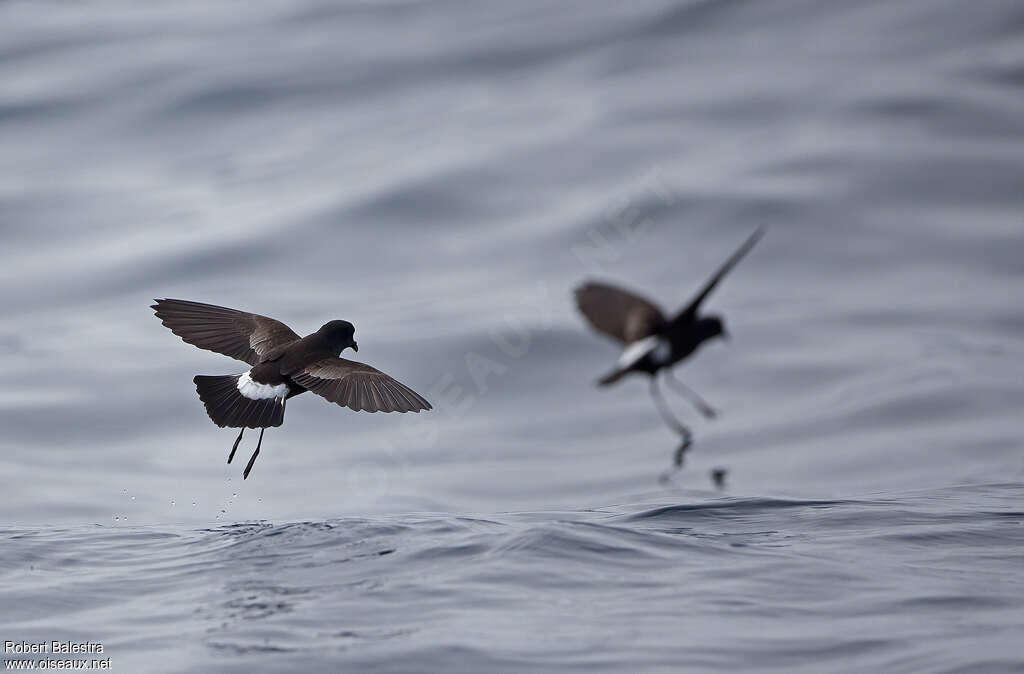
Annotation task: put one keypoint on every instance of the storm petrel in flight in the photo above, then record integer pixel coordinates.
(653, 342)
(283, 365)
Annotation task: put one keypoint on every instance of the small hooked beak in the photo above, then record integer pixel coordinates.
(355, 347)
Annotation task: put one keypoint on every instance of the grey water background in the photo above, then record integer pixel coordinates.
(443, 174)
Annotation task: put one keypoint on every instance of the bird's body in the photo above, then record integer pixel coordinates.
(669, 345)
(283, 365)
(652, 341)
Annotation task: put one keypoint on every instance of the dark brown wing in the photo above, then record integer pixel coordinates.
(618, 313)
(359, 387)
(234, 333)
(690, 311)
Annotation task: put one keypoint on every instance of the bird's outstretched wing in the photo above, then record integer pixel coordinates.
(618, 313)
(690, 311)
(238, 334)
(358, 386)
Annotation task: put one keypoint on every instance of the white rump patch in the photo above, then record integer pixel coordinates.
(256, 391)
(659, 349)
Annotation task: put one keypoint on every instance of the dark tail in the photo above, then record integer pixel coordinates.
(613, 376)
(228, 407)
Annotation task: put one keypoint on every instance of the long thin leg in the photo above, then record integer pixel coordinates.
(235, 446)
(682, 389)
(665, 412)
(673, 423)
(252, 460)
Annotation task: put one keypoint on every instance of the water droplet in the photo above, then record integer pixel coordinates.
(223, 511)
(124, 491)
(193, 504)
(172, 501)
(133, 498)
(260, 499)
(235, 495)
(116, 518)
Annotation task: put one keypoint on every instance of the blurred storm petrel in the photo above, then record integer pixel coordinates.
(654, 342)
(283, 365)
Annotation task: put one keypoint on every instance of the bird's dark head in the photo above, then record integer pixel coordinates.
(710, 327)
(340, 335)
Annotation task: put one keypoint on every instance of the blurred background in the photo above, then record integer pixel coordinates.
(443, 174)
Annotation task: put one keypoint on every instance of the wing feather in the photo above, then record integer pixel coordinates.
(359, 386)
(618, 313)
(689, 312)
(238, 334)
